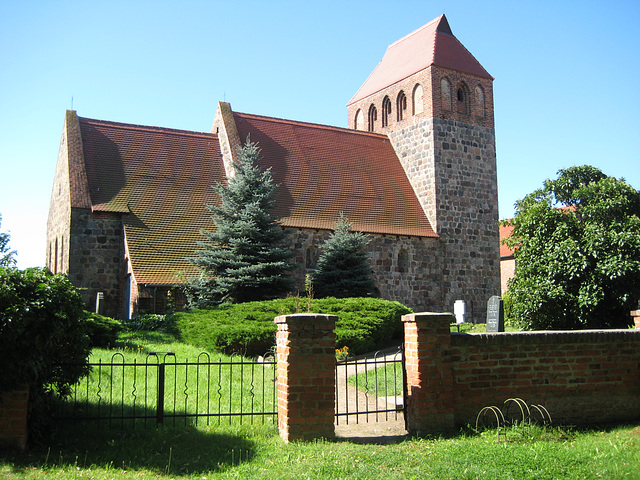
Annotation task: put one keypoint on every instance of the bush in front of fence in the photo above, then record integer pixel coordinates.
(364, 324)
(43, 340)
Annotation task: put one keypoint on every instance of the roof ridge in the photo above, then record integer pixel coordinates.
(416, 31)
(133, 126)
(310, 124)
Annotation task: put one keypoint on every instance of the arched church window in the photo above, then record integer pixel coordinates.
(403, 261)
(386, 111)
(401, 105)
(445, 89)
(373, 117)
(311, 259)
(462, 99)
(359, 120)
(480, 106)
(418, 105)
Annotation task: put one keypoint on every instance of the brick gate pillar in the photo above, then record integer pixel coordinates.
(635, 314)
(305, 349)
(14, 406)
(427, 338)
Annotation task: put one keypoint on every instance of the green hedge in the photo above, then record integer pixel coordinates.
(364, 324)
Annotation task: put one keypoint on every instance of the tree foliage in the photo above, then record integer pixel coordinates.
(43, 341)
(245, 259)
(576, 243)
(7, 256)
(343, 269)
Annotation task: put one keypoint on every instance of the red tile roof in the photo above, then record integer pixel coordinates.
(323, 171)
(505, 232)
(431, 44)
(160, 179)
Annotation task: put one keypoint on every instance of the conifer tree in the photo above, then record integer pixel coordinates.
(246, 258)
(343, 269)
(7, 256)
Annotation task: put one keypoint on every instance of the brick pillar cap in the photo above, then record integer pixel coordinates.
(412, 316)
(635, 313)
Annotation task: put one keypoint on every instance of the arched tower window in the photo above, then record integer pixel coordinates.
(462, 99)
(445, 89)
(403, 261)
(401, 105)
(386, 111)
(358, 123)
(417, 103)
(480, 105)
(373, 117)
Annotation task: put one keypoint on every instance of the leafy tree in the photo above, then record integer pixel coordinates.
(7, 257)
(343, 269)
(43, 338)
(245, 259)
(577, 251)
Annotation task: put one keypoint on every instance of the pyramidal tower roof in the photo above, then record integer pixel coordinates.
(431, 44)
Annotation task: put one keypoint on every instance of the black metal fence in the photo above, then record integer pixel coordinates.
(371, 388)
(162, 390)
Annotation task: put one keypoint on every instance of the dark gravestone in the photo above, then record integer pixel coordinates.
(495, 315)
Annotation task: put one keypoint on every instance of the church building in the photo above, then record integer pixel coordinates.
(415, 170)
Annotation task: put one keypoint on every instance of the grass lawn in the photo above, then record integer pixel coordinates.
(250, 451)
(258, 452)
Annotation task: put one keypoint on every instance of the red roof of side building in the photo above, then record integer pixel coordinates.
(431, 44)
(323, 171)
(160, 179)
(505, 232)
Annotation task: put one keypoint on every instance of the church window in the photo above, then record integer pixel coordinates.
(386, 111)
(311, 259)
(359, 120)
(373, 117)
(418, 106)
(462, 96)
(480, 101)
(403, 261)
(445, 88)
(401, 105)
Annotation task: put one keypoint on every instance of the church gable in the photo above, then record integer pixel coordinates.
(159, 180)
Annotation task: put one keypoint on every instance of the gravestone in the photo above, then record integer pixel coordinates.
(495, 315)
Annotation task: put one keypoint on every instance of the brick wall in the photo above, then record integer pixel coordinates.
(580, 377)
(13, 418)
(305, 349)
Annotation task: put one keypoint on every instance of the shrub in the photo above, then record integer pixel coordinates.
(364, 324)
(151, 322)
(102, 331)
(43, 340)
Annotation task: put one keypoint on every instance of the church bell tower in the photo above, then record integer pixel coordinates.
(434, 101)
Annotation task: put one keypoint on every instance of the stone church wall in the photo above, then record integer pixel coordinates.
(97, 244)
(406, 269)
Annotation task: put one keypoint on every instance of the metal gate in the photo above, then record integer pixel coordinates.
(371, 387)
(161, 390)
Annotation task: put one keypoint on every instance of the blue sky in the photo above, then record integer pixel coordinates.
(565, 89)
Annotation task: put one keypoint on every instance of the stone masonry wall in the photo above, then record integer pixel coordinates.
(96, 264)
(414, 284)
(452, 168)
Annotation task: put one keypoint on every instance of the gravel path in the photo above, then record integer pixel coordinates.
(384, 427)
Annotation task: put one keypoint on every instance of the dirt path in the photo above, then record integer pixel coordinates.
(384, 427)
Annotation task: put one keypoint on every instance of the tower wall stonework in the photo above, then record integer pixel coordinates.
(452, 168)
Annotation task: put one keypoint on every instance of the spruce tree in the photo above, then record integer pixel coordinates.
(246, 258)
(343, 269)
